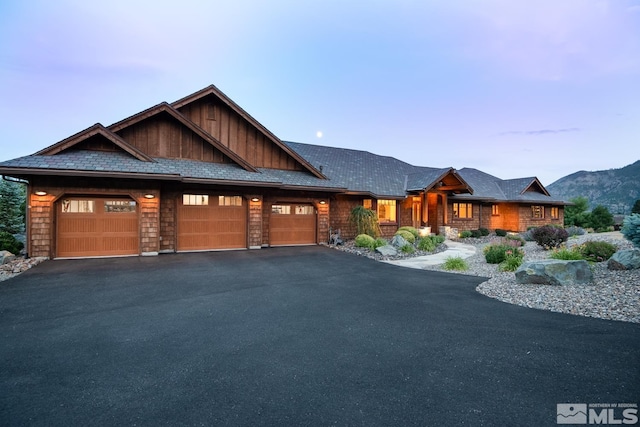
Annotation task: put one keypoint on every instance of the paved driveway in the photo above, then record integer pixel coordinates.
(292, 336)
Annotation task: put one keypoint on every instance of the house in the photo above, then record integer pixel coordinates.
(201, 174)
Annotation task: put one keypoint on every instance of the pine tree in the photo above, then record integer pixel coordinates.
(636, 207)
(11, 207)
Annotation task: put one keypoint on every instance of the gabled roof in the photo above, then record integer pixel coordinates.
(94, 130)
(163, 107)
(217, 93)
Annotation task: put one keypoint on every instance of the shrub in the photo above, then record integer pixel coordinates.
(365, 241)
(476, 233)
(631, 229)
(426, 244)
(550, 237)
(10, 243)
(438, 240)
(483, 231)
(528, 235)
(600, 219)
(365, 220)
(511, 262)
(407, 249)
(575, 231)
(380, 242)
(455, 263)
(406, 235)
(576, 214)
(465, 234)
(567, 254)
(497, 253)
(597, 251)
(411, 230)
(500, 232)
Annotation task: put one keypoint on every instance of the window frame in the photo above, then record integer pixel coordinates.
(188, 201)
(468, 209)
(390, 204)
(537, 211)
(495, 210)
(230, 201)
(554, 212)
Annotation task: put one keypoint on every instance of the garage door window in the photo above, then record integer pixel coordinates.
(229, 200)
(281, 209)
(119, 206)
(195, 199)
(304, 210)
(78, 206)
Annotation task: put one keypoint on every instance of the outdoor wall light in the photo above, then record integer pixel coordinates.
(255, 199)
(149, 196)
(322, 202)
(40, 193)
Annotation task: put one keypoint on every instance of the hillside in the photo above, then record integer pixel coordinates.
(617, 189)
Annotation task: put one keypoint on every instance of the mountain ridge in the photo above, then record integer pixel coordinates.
(617, 189)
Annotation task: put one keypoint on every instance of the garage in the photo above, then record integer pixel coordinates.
(208, 222)
(292, 224)
(93, 227)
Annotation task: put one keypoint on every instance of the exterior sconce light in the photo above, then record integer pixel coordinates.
(255, 199)
(40, 193)
(149, 196)
(322, 202)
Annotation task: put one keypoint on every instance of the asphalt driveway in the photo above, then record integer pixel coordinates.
(292, 336)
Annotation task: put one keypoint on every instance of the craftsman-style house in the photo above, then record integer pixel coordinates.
(201, 174)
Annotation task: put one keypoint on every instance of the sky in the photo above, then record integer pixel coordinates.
(514, 88)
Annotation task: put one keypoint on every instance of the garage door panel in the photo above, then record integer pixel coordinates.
(291, 228)
(211, 227)
(96, 232)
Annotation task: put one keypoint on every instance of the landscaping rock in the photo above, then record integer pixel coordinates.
(399, 241)
(6, 256)
(627, 259)
(554, 272)
(387, 250)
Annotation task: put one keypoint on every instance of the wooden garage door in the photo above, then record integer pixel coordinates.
(211, 222)
(292, 224)
(89, 227)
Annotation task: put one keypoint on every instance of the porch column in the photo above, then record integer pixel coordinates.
(425, 209)
(445, 212)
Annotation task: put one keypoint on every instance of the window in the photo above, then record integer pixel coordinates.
(229, 200)
(367, 203)
(495, 210)
(463, 210)
(386, 211)
(78, 206)
(537, 212)
(305, 210)
(195, 199)
(281, 209)
(555, 212)
(119, 206)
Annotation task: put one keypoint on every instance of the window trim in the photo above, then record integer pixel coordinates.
(468, 208)
(495, 210)
(556, 210)
(387, 203)
(537, 208)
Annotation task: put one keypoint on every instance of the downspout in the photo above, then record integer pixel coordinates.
(26, 210)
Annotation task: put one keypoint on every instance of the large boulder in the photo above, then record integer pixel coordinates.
(627, 259)
(554, 272)
(6, 256)
(387, 250)
(398, 241)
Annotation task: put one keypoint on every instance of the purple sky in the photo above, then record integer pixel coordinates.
(538, 88)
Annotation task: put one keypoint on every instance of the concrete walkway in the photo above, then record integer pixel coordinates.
(454, 249)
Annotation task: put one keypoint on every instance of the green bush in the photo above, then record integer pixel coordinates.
(597, 251)
(465, 234)
(567, 254)
(528, 235)
(511, 263)
(483, 231)
(10, 243)
(575, 231)
(550, 237)
(631, 229)
(407, 249)
(365, 221)
(426, 244)
(380, 242)
(476, 233)
(497, 253)
(365, 241)
(600, 219)
(406, 235)
(411, 230)
(500, 232)
(516, 239)
(438, 240)
(455, 263)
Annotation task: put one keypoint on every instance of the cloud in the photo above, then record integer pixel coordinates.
(540, 131)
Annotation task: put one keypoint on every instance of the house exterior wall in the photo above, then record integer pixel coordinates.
(527, 221)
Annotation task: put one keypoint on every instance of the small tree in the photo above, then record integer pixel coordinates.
(12, 204)
(577, 214)
(600, 218)
(631, 229)
(365, 220)
(636, 207)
